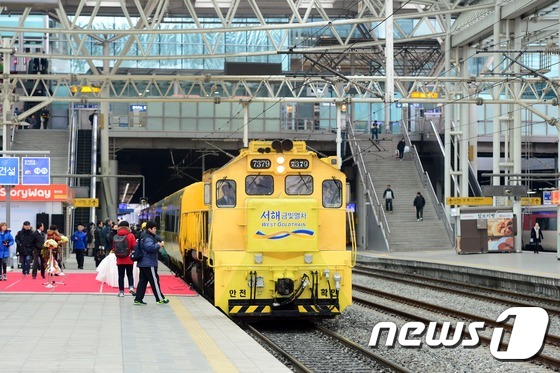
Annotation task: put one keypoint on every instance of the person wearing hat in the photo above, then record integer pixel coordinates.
(148, 266)
(24, 241)
(125, 264)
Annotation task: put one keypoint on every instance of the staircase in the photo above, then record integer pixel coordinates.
(406, 233)
(56, 141)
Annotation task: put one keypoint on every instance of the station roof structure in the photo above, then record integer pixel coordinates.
(332, 45)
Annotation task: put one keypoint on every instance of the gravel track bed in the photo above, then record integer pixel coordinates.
(444, 299)
(321, 353)
(487, 332)
(356, 323)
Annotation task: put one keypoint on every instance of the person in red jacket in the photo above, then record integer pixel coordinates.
(125, 263)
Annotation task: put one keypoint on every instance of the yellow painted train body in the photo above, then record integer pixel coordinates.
(265, 235)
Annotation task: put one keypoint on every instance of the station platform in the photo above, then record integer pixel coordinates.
(525, 271)
(53, 329)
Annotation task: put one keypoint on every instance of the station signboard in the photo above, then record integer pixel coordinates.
(36, 171)
(86, 202)
(9, 171)
(469, 201)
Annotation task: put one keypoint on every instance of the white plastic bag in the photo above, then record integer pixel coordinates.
(107, 271)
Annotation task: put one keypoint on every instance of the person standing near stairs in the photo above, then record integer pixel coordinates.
(388, 194)
(419, 203)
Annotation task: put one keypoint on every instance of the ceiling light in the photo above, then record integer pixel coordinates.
(104, 3)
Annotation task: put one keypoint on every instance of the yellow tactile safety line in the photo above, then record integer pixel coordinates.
(215, 357)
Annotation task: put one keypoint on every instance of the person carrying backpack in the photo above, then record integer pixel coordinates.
(123, 243)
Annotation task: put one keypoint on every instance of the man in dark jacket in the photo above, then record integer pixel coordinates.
(419, 203)
(38, 241)
(24, 241)
(148, 265)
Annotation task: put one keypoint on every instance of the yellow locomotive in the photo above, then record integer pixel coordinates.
(264, 235)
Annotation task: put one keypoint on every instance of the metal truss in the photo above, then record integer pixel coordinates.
(325, 25)
(221, 88)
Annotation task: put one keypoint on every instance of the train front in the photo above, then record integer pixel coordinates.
(279, 250)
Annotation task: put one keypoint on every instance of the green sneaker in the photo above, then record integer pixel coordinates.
(163, 301)
(139, 303)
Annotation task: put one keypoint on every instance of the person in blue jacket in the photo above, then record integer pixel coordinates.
(79, 240)
(148, 265)
(7, 240)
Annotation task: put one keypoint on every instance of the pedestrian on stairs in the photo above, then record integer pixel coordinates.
(419, 203)
(400, 148)
(374, 131)
(388, 194)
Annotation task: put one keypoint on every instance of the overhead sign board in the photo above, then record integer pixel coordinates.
(36, 170)
(9, 170)
(86, 202)
(531, 201)
(547, 198)
(469, 201)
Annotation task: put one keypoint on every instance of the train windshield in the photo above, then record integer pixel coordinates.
(332, 193)
(225, 193)
(300, 185)
(259, 185)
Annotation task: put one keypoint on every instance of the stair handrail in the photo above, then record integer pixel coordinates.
(442, 148)
(377, 207)
(474, 185)
(427, 183)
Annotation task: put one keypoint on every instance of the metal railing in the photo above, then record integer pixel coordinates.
(427, 183)
(377, 207)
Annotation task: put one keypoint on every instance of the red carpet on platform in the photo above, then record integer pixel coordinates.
(84, 283)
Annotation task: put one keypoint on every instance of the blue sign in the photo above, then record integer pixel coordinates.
(547, 198)
(139, 107)
(36, 171)
(398, 104)
(9, 171)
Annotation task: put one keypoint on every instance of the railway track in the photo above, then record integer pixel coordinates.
(472, 291)
(330, 351)
(549, 361)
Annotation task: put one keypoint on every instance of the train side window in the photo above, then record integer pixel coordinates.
(547, 224)
(332, 193)
(299, 185)
(225, 193)
(262, 185)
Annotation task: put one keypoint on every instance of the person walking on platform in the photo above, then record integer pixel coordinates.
(536, 238)
(148, 265)
(24, 242)
(99, 249)
(79, 240)
(112, 232)
(388, 194)
(419, 203)
(38, 241)
(125, 263)
(7, 241)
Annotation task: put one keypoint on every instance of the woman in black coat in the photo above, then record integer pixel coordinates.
(536, 238)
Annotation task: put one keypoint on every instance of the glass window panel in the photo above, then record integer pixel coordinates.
(226, 193)
(299, 185)
(332, 193)
(259, 185)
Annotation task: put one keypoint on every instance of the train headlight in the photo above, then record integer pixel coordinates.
(308, 258)
(280, 160)
(280, 169)
(258, 258)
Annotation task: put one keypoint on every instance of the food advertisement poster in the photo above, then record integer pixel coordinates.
(500, 233)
